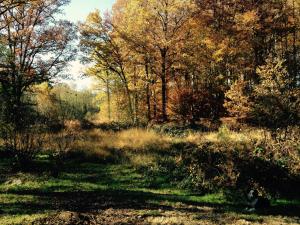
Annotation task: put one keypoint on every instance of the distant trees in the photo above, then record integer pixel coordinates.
(60, 103)
(99, 42)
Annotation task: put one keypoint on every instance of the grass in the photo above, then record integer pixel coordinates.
(132, 139)
(25, 197)
(224, 134)
(102, 174)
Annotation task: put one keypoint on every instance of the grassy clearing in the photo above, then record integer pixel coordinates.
(106, 178)
(226, 135)
(140, 145)
(91, 186)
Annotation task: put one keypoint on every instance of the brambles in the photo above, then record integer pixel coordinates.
(234, 161)
(24, 145)
(61, 143)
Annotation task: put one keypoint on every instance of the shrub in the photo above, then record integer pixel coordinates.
(270, 164)
(277, 101)
(238, 101)
(191, 105)
(61, 144)
(23, 144)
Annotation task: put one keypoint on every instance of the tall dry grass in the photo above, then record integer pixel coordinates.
(137, 145)
(224, 134)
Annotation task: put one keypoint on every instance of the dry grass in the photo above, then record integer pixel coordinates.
(21, 219)
(132, 139)
(226, 135)
(141, 145)
(137, 145)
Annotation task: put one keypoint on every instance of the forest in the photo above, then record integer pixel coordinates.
(194, 105)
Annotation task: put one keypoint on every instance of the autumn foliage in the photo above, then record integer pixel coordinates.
(188, 60)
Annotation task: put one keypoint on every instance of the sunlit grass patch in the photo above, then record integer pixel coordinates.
(282, 202)
(12, 199)
(168, 218)
(226, 135)
(137, 139)
(135, 145)
(21, 219)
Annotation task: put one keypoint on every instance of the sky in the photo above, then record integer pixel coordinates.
(77, 11)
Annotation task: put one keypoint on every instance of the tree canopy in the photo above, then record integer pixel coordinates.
(192, 59)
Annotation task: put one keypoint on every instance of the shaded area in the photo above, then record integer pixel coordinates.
(96, 192)
(91, 201)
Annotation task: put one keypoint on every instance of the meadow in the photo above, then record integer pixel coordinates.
(111, 174)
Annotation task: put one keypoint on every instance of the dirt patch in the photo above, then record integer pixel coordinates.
(109, 217)
(192, 216)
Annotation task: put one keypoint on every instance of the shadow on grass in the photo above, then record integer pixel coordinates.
(92, 201)
(114, 187)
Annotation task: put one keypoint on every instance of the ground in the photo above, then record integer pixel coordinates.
(97, 193)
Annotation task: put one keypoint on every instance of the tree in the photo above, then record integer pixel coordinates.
(60, 102)
(277, 102)
(6, 5)
(99, 45)
(105, 79)
(37, 48)
(155, 29)
(176, 59)
(238, 102)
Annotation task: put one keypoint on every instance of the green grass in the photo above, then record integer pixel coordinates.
(25, 197)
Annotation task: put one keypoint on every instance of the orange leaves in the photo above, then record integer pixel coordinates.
(247, 21)
(37, 43)
(238, 101)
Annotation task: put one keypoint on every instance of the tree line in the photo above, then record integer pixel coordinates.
(187, 59)
(158, 60)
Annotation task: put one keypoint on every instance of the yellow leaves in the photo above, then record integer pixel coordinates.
(94, 17)
(93, 24)
(239, 103)
(274, 78)
(209, 43)
(247, 21)
(249, 17)
(218, 55)
(221, 51)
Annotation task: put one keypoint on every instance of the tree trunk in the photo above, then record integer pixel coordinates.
(108, 98)
(295, 63)
(130, 105)
(148, 94)
(154, 105)
(164, 84)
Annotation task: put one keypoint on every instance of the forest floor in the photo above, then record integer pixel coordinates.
(95, 193)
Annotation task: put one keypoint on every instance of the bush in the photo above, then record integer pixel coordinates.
(191, 105)
(61, 144)
(277, 100)
(271, 165)
(23, 144)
